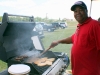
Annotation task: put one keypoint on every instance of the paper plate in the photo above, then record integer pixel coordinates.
(19, 69)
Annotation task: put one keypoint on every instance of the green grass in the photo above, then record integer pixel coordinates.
(52, 36)
(56, 35)
(60, 34)
(3, 65)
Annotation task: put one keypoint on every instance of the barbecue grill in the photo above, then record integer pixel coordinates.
(19, 44)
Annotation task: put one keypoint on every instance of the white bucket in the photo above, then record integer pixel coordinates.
(19, 69)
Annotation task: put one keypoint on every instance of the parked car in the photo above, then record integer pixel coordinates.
(47, 27)
(63, 25)
(55, 25)
(0, 23)
(43, 25)
(39, 29)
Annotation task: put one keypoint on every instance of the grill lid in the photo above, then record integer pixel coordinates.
(16, 35)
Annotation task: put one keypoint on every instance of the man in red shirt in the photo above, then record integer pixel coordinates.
(85, 52)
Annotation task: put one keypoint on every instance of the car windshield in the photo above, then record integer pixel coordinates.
(62, 23)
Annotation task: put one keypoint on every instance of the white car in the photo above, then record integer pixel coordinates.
(39, 29)
(63, 24)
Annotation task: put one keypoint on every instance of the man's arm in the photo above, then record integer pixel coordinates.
(67, 40)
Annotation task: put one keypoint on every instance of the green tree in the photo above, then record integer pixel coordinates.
(0, 18)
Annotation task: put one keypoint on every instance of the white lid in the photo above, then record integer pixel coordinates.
(19, 69)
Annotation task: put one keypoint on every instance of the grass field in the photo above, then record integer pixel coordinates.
(56, 35)
(52, 36)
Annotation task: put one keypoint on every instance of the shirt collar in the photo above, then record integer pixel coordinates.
(87, 20)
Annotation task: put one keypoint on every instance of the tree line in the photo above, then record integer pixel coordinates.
(36, 19)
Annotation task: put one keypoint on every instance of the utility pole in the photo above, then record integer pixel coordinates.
(46, 16)
(90, 8)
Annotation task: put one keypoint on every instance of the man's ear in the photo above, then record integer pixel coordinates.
(86, 11)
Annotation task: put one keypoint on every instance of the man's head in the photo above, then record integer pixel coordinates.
(80, 11)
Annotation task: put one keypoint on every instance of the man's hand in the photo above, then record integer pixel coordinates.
(54, 43)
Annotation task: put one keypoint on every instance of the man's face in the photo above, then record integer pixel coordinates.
(80, 14)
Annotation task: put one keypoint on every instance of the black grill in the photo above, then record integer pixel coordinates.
(35, 69)
(42, 69)
(17, 42)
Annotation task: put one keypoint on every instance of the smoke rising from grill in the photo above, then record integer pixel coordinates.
(17, 36)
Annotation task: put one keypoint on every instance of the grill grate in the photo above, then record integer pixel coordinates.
(35, 69)
(40, 69)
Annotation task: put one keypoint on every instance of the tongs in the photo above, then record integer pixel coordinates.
(38, 57)
(45, 51)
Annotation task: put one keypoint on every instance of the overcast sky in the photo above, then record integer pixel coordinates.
(53, 9)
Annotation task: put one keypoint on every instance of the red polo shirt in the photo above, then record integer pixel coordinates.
(85, 53)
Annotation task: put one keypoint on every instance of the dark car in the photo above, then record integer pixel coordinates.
(0, 23)
(47, 27)
(55, 25)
